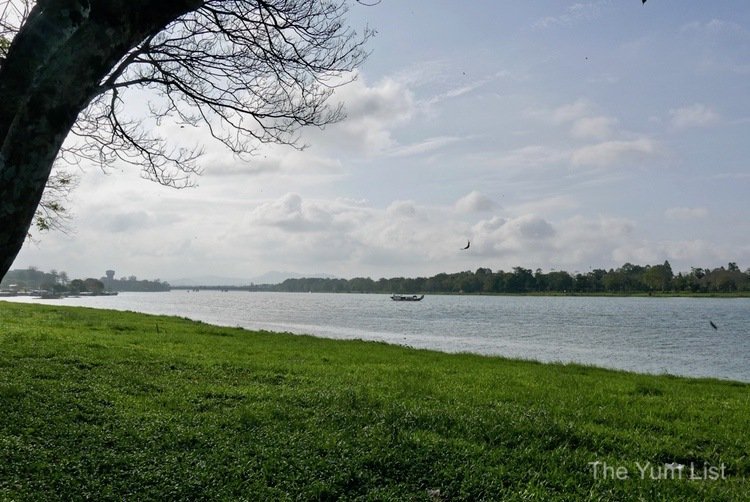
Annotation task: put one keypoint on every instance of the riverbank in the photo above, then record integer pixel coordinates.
(117, 405)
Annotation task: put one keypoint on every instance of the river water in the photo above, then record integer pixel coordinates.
(648, 335)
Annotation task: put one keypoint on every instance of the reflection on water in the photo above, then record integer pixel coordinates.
(654, 335)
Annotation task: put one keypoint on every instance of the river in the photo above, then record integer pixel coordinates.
(648, 335)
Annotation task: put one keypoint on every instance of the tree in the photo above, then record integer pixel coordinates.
(93, 285)
(251, 71)
(76, 286)
(658, 277)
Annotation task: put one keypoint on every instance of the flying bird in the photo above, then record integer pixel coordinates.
(644, 1)
(468, 243)
(712, 325)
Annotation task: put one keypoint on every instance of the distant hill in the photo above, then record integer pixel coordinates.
(273, 277)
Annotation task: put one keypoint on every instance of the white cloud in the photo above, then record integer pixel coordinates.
(571, 111)
(564, 113)
(468, 86)
(686, 213)
(547, 205)
(715, 27)
(515, 236)
(127, 222)
(593, 127)
(290, 214)
(474, 202)
(402, 209)
(608, 153)
(423, 147)
(693, 252)
(582, 118)
(531, 156)
(696, 115)
(372, 112)
(573, 13)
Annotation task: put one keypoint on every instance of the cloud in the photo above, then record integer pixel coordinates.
(402, 209)
(371, 113)
(571, 111)
(474, 202)
(696, 115)
(351, 237)
(581, 115)
(531, 156)
(686, 213)
(593, 127)
(718, 46)
(583, 239)
(423, 147)
(609, 153)
(564, 113)
(695, 251)
(126, 222)
(715, 27)
(467, 87)
(684, 251)
(288, 213)
(573, 13)
(514, 236)
(532, 241)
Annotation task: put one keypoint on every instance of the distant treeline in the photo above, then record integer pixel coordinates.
(32, 279)
(133, 284)
(624, 280)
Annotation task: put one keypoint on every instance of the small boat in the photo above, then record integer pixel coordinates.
(406, 298)
(48, 295)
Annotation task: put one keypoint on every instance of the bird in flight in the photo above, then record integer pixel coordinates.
(468, 243)
(712, 325)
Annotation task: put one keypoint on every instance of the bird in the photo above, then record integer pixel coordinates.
(468, 243)
(713, 325)
(644, 1)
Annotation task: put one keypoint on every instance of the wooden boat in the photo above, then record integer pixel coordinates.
(48, 295)
(406, 298)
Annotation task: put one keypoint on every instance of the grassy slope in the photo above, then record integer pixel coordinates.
(121, 405)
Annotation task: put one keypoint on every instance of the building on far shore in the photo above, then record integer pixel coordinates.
(109, 280)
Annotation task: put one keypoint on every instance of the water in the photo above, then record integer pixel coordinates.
(649, 335)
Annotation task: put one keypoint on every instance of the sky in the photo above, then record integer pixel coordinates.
(550, 134)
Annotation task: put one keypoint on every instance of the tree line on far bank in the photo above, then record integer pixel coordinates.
(30, 279)
(627, 279)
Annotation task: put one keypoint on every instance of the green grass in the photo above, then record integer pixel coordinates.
(124, 406)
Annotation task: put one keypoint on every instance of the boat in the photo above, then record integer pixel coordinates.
(406, 298)
(49, 295)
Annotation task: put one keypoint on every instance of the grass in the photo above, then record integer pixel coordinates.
(124, 406)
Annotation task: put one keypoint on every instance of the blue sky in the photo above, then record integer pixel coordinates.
(553, 135)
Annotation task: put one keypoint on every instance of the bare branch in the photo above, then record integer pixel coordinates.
(52, 213)
(249, 71)
(254, 71)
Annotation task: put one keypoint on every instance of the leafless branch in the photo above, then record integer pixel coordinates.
(250, 71)
(52, 213)
(253, 72)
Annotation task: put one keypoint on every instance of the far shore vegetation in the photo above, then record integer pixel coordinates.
(32, 279)
(105, 405)
(629, 279)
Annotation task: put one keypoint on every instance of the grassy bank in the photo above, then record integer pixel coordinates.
(116, 405)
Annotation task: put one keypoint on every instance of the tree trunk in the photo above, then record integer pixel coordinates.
(52, 71)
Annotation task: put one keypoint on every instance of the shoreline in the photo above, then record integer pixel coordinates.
(158, 407)
(610, 349)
